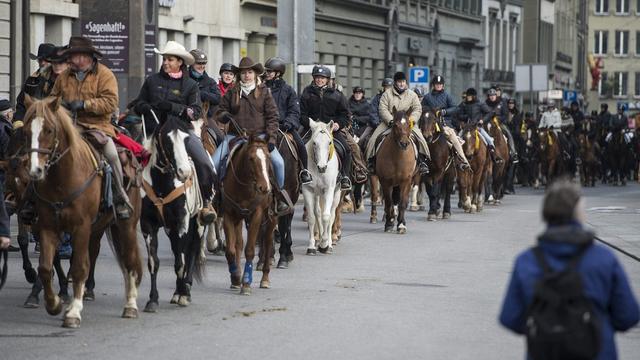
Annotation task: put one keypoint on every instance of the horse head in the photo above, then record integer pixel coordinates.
(544, 138)
(401, 128)
(258, 163)
(471, 140)
(49, 134)
(169, 148)
(322, 143)
(429, 125)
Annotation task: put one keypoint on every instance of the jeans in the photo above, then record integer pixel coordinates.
(276, 159)
(488, 140)
(204, 168)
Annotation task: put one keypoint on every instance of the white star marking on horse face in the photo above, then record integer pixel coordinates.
(263, 167)
(36, 128)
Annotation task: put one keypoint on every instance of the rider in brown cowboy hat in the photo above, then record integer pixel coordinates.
(90, 90)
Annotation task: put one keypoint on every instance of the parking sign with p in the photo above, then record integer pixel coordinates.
(419, 76)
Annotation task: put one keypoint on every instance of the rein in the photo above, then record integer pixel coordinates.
(331, 145)
(248, 211)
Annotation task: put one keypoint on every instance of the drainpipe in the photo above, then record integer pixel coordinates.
(26, 39)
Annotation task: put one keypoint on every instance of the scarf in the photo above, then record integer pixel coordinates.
(176, 75)
(400, 91)
(247, 88)
(196, 75)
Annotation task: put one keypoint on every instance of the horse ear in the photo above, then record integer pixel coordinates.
(312, 124)
(330, 125)
(53, 103)
(28, 101)
(394, 110)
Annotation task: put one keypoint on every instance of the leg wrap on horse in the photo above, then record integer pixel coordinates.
(203, 165)
(302, 149)
(346, 166)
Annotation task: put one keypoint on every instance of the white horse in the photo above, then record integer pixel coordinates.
(322, 196)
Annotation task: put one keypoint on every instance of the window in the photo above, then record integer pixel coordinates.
(622, 6)
(620, 83)
(600, 42)
(602, 7)
(622, 43)
(638, 40)
(637, 93)
(603, 87)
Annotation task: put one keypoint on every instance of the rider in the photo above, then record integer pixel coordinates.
(374, 117)
(249, 106)
(324, 103)
(360, 111)
(618, 123)
(402, 99)
(440, 100)
(90, 90)
(40, 83)
(209, 91)
(552, 119)
(171, 92)
(288, 108)
(474, 112)
(6, 113)
(227, 76)
(577, 115)
(498, 105)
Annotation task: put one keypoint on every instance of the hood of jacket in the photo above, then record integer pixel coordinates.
(563, 241)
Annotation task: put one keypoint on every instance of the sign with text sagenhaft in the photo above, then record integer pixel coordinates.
(150, 59)
(106, 23)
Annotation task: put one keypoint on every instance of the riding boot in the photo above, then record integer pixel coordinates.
(423, 167)
(494, 157)
(120, 198)
(305, 177)
(345, 183)
(284, 205)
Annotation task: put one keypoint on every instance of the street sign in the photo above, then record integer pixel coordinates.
(554, 94)
(419, 76)
(570, 95)
(531, 77)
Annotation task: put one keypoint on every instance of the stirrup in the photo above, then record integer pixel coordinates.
(305, 177)
(345, 183)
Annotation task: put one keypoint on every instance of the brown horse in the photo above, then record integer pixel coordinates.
(476, 152)
(67, 185)
(498, 170)
(248, 197)
(552, 165)
(589, 167)
(395, 168)
(439, 182)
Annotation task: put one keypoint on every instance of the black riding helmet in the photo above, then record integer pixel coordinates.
(320, 70)
(226, 67)
(471, 92)
(387, 82)
(438, 79)
(275, 64)
(358, 89)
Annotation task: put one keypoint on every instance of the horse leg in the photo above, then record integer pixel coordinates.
(309, 203)
(268, 243)
(413, 198)
(284, 226)
(375, 190)
(402, 206)
(153, 264)
(79, 273)
(430, 188)
(128, 255)
(387, 193)
(325, 215)
(447, 184)
(23, 241)
(249, 252)
(48, 245)
(230, 226)
(334, 221)
(63, 282)
(336, 225)
(94, 251)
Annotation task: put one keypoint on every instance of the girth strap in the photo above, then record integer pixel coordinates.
(160, 202)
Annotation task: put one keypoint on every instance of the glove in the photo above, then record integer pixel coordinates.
(76, 105)
(286, 127)
(443, 112)
(165, 106)
(226, 117)
(143, 108)
(271, 147)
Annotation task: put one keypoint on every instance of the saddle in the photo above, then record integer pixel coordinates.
(380, 139)
(234, 145)
(286, 138)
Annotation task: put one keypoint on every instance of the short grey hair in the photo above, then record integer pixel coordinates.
(560, 201)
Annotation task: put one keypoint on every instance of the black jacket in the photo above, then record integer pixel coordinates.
(360, 114)
(287, 102)
(209, 91)
(375, 115)
(472, 112)
(38, 86)
(499, 108)
(323, 105)
(578, 118)
(183, 93)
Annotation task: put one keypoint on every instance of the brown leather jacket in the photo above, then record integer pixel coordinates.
(99, 90)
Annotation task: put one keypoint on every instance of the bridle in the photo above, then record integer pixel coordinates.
(323, 132)
(53, 154)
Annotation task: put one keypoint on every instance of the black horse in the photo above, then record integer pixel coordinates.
(172, 200)
(618, 153)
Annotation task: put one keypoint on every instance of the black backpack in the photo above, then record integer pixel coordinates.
(560, 322)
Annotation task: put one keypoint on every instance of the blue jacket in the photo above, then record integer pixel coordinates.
(604, 281)
(374, 119)
(440, 100)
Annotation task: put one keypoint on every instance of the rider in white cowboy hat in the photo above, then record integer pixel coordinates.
(171, 92)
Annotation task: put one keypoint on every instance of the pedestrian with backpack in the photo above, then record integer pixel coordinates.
(567, 295)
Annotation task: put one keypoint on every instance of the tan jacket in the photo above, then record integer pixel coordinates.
(402, 102)
(99, 90)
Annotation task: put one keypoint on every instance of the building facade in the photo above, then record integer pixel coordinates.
(447, 36)
(503, 34)
(614, 43)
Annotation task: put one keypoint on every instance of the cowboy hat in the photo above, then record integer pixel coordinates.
(175, 49)
(246, 63)
(57, 55)
(80, 44)
(43, 51)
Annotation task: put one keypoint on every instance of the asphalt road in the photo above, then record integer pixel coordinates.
(431, 294)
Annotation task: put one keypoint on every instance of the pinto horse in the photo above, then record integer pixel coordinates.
(498, 170)
(248, 196)
(67, 182)
(439, 182)
(323, 195)
(476, 152)
(396, 167)
(172, 201)
(552, 164)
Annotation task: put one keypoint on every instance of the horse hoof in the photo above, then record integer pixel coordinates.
(289, 257)
(89, 295)
(373, 220)
(71, 323)
(174, 299)
(305, 218)
(422, 208)
(32, 302)
(323, 250)
(245, 290)
(265, 284)
(234, 287)
(31, 275)
(431, 217)
(414, 208)
(56, 309)
(151, 307)
(446, 216)
(259, 266)
(130, 313)
(184, 301)
(402, 230)
(283, 263)
(311, 252)
(388, 228)
(66, 299)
